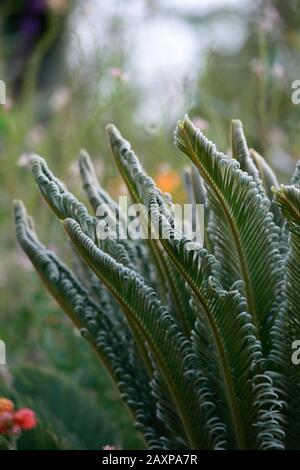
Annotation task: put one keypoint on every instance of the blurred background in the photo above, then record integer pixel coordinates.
(71, 67)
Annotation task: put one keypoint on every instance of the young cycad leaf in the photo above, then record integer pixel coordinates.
(284, 242)
(295, 181)
(266, 173)
(287, 198)
(215, 364)
(256, 166)
(287, 328)
(235, 345)
(61, 201)
(198, 197)
(95, 193)
(135, 179)
(64, 204)
(222, 243)
(141, 305)
(115, 347)
(98, 198)
(253, 234)
(240, 152)
(268, 179)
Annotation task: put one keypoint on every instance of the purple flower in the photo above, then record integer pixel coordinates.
(30, 26)
(37, 6)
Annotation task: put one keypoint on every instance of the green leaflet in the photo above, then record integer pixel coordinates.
(240, 152)
(95, 193)
(266, 174)
(162, 335)
(287, 327)
(64, 205)
(219, 232)
(288, 199)
(252, 233)
(295, 181)
(197, 194)
(256, 166)
(234, 345)
(132, 172)
(268, 179)
(116, 349)
(137, 252)
(202, 354)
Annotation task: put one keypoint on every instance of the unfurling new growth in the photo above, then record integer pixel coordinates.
(197, 341)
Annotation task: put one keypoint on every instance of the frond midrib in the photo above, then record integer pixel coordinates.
(235, 234)
(225, 369)
(160, 360)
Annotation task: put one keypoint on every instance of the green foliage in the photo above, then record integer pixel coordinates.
(197, 339)
(68, 417)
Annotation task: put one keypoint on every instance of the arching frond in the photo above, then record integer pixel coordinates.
(114, 346)
(202, 342)
(135, 179)
(268, 179)
(240, 152)
(251, 233)
(142, 306)
(287, 328)
(295, 180)
(234, 341)
(197, 194)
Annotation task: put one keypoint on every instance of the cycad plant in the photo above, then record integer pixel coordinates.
(198, 339)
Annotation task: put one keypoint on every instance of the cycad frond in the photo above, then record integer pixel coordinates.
(241, 153)
(234, 342)
(251, 233)
(115, 348)
(198, 340)
(295, 180)
(269, 180)
(136, 180)
(287, 329)
(153, 321)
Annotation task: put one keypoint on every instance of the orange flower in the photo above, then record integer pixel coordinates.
(6, 406)
(167, 181)
(7, 423)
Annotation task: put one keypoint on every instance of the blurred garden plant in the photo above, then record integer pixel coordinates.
(197, 341)
(68, 416)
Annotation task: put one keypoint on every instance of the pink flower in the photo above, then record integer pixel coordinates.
(270, 19)
(117, 72)
(9, 104)
(200, 123)
(24, 160)
(25, 418)
(279, 70)
(60, 99)
(13, 422)
(257, 66)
